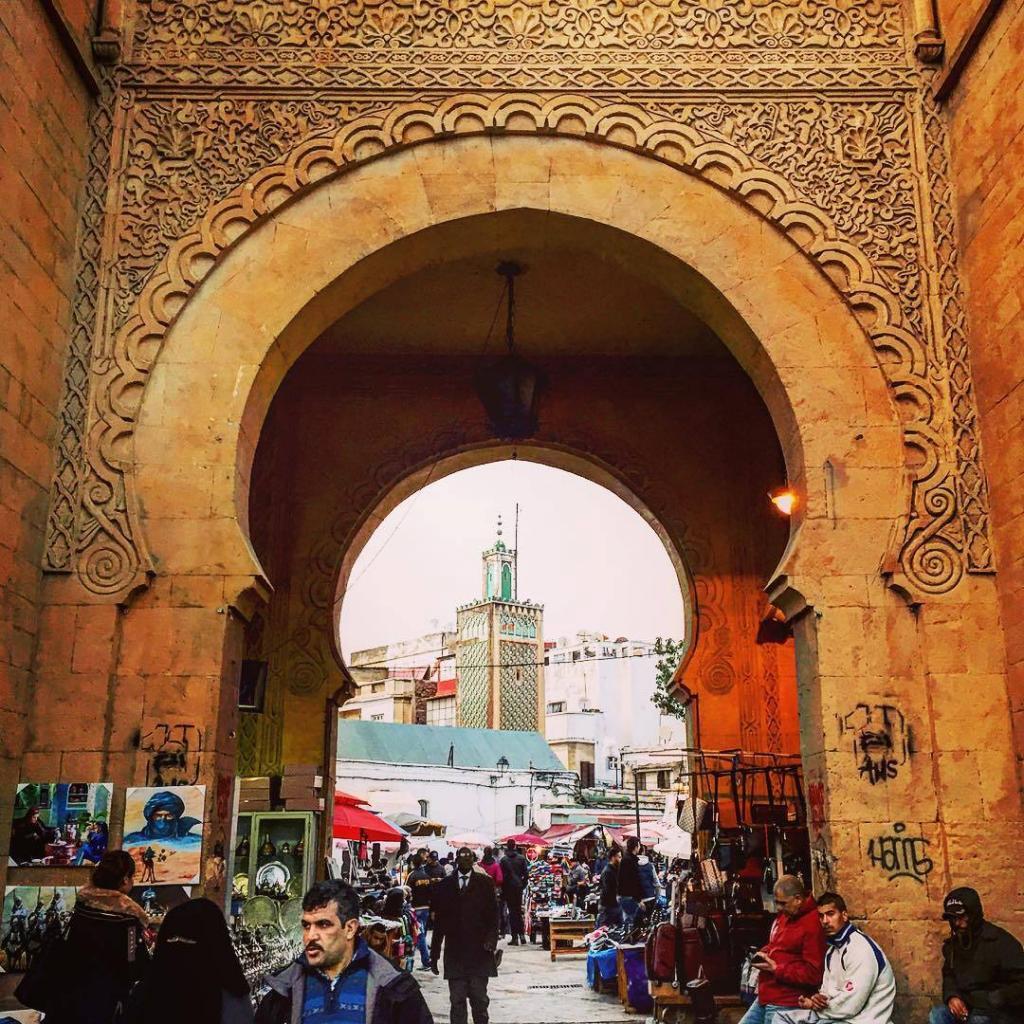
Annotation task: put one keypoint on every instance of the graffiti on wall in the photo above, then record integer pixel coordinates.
(900, 855)
(878, 739)
(174, 753)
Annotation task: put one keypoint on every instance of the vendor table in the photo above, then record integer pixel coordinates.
(630, 1004)
(565, 932)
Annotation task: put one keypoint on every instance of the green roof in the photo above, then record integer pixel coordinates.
(429, 744)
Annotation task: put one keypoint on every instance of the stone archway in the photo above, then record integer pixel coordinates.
(232, 342)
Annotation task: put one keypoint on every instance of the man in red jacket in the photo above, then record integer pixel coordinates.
(793, 962)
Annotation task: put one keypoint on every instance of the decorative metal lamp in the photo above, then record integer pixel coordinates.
(503, 764)
(510, 386)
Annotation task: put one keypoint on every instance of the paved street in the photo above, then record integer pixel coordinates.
(532, 988)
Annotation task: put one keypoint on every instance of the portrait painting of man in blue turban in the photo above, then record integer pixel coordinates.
(166, 820)
(163, 830)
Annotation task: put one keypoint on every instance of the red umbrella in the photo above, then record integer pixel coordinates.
(525, 839)
(341, 797)
(351, 822)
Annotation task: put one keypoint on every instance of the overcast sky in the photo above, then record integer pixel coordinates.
(583, 553)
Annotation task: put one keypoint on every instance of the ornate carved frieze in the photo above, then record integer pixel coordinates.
(279, 31)
(809, 109)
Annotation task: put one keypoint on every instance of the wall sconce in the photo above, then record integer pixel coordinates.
(784, 499)
(502, 764)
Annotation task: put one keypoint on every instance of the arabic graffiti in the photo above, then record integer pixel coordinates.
(878, 737)
(900, 855)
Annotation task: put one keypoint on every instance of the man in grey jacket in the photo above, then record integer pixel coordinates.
(338, 979)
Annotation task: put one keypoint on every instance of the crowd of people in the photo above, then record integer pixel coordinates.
(819, 966)
(115, 962)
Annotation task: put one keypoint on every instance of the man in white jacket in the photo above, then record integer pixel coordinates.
(858, 986)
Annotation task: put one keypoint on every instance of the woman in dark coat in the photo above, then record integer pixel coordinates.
(86, 978)
(195, 976)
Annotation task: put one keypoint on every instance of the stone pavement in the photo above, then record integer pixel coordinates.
(531, 988)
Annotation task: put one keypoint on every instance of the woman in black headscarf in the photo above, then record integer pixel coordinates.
(195, 975)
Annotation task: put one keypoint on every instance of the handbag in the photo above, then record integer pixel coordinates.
(712, 876)
(691, 814)
(702, 999)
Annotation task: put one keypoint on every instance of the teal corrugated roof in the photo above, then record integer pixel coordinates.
(429, 744)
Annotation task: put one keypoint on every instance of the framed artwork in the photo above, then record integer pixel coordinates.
(163, 831)
(60, 824)
(31, 915)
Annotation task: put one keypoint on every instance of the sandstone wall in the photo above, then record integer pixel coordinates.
(986, 111)
(44, 135)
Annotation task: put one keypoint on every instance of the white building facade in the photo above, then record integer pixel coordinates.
(598, 701)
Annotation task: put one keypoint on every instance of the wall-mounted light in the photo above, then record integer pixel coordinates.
(784, 499)
(502, 764)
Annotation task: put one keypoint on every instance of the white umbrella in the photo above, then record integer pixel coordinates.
(675, 844)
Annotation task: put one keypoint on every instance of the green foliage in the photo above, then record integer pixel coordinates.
(669, 653)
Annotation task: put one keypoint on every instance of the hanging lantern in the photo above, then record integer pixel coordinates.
(509, 386)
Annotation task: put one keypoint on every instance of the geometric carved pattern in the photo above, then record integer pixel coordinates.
(518, 684)
(61, 526)
(834, 168)
(474, 689)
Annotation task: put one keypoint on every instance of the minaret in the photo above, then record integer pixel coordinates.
(499, 650)
(499, 571)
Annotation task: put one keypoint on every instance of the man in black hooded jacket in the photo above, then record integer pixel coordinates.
(982, 967)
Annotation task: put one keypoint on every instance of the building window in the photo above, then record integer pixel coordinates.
(520, 815)
(612, 763)
(587, 774)
(641, 779)
(664, 780)
(424, 808)
(377, 718)
(556, 707)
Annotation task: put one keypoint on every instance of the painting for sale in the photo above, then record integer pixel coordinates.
(31, 916)
(60, 824)
(163, 831)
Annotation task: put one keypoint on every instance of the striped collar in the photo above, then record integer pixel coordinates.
(841, 938)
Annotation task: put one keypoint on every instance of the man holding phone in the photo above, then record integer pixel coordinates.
(792, 964)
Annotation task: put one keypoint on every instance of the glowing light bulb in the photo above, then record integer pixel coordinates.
(784, 499)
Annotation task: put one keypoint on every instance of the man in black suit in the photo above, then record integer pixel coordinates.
(515, 871)
(466, 924)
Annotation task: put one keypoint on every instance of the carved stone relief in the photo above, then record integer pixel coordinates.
(215, 123)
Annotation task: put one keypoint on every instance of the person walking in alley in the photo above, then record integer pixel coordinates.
(859, 986)
(982, 967)
(466, 926)
(630, 887)
(515, 870)
(422, 886)
(610, 913)
(490, 864)
(338, 979)
(793, 963)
